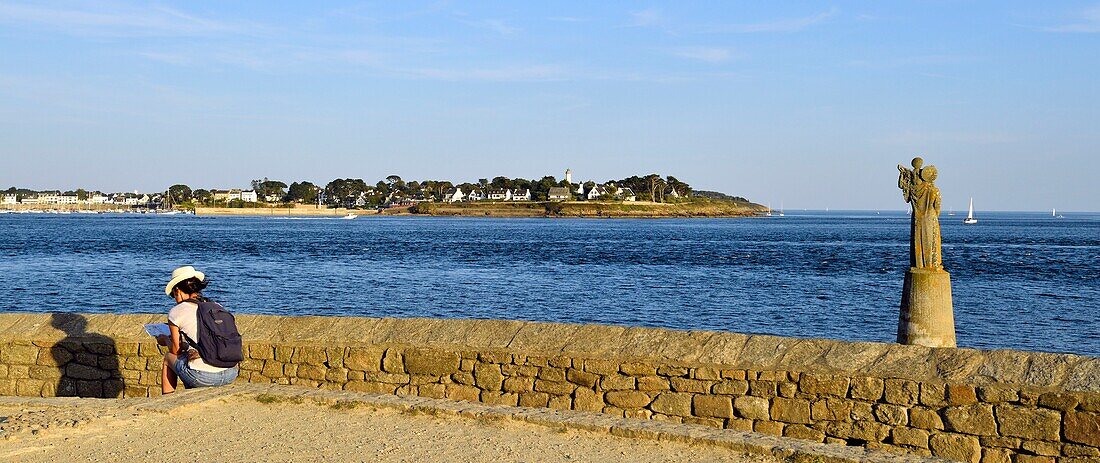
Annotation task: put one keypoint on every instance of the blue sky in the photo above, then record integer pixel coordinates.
(805, 103)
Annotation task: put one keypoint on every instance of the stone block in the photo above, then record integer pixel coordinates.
(284, 353)
(627, 399)
(933, 394)
(956, 447)
(869, 431)
(672, 403)
(560, 361)
(495, 357)
(519, 384)
(976, 419)
(560, 402)
(691, 385)
(1028, 423)
(78, 371)
(893, 415)
(383, 377)
(587, 400)
(816, 384)
(768, 427)
(534, 399)
(54, 356)
(149, 349)
(996, 456)
(552, 374)
(467, 378)
(554, 387)
(734, 374)
(1000, 442)
(463, 392)
(639, 413)
(124, 349)
(863, 411)
(1022, 458)
(787, 389)
(799, 431)
(701, 421)
(435, 391)
(866, 388)
(1074, 450)
(706, 373)
(487, 376)
(89, 388)
(730, 387)
(924, 418)
(790, 410)
(830, 409)
(261, 351)
(995, 394)
(392, 361)
(336, 375)
(100, 347)
(44, 372)
(581, 377)
(272, 368)
(519, 370)
(312, 372)
(653, 383)
(739, 424)
(13, 354)
(432, 362)
(712, 406)
(617, 383)
(637, 369)
(673, 371)
(902, 391)
(961, 394)
(601, 366)
(467, 364)
(309, 355)
(1059, 401)
(1049, 449)
(762, 388)
(364, 359)
(1083, 428)
(500, 398)
(910, 437)
(753, 408)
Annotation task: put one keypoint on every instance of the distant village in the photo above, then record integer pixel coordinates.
(356, 193)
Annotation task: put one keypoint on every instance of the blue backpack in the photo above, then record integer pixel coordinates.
(219, 342)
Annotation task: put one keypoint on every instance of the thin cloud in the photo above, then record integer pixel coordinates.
(1087, 23)
(781, 25)
(712, 55)
(648, 17)
(102, 20)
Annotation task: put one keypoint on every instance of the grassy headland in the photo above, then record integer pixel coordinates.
(694, 207)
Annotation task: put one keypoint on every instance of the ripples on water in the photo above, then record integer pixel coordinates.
(1024, 281)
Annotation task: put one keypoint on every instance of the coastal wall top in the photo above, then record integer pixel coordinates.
(1030, 369)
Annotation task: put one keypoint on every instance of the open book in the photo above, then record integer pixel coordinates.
(157, 329)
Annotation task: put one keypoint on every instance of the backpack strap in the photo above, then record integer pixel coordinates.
(197, 301)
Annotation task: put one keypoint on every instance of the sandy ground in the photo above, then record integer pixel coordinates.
(246, 429)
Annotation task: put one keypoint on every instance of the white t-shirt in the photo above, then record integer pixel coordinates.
(185, 316)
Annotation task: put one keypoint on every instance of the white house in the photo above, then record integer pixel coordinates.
(453, 195)
(628, 194)
(29, 200)
(99, 199)
(500, 195)
(273, 198)
(248, 196)
(475, 195)
(9, 199)
(595, 193)
(524, 195)
(58, 199)
(559, 193)
(672, 193)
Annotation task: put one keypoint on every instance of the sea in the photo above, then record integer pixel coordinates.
(1019, 280)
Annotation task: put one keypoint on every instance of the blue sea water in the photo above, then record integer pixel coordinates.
(1020, 280)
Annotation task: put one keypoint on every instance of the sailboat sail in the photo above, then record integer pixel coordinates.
(970, 220)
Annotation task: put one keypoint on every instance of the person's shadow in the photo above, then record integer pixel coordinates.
(87, 361)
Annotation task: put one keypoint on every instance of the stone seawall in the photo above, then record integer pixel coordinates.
(963, 404)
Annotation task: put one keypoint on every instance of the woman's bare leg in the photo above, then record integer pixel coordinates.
(168, 378)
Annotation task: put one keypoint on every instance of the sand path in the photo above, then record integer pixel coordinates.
(238, 428)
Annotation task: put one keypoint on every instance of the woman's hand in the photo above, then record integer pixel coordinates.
(163, 340)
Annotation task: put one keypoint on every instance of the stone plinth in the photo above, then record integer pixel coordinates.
(927, 318)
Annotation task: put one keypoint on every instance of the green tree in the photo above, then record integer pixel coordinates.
(202, 196)
(302, 192)
(180, 193)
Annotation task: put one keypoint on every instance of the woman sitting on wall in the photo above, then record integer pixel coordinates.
(204, 346)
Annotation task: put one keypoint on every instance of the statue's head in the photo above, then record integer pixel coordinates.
(917, 162)
(928, 174)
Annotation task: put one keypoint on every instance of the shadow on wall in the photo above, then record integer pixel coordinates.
(87, 361)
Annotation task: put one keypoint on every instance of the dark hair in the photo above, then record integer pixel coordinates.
(191, 286)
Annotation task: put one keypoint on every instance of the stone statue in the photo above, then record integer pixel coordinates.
(919, 190)
(927, 317)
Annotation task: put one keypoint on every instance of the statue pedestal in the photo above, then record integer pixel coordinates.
(927, 318)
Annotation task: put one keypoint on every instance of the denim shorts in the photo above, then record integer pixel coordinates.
(193, 378)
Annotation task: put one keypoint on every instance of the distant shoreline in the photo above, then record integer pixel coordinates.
(569, 209)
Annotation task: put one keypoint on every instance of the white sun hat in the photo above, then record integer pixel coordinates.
(181, 274)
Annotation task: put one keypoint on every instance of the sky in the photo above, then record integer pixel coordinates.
(801, 104)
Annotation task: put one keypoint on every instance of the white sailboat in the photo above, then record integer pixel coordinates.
(1054, 213)
(781, 208)
(970, 220)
